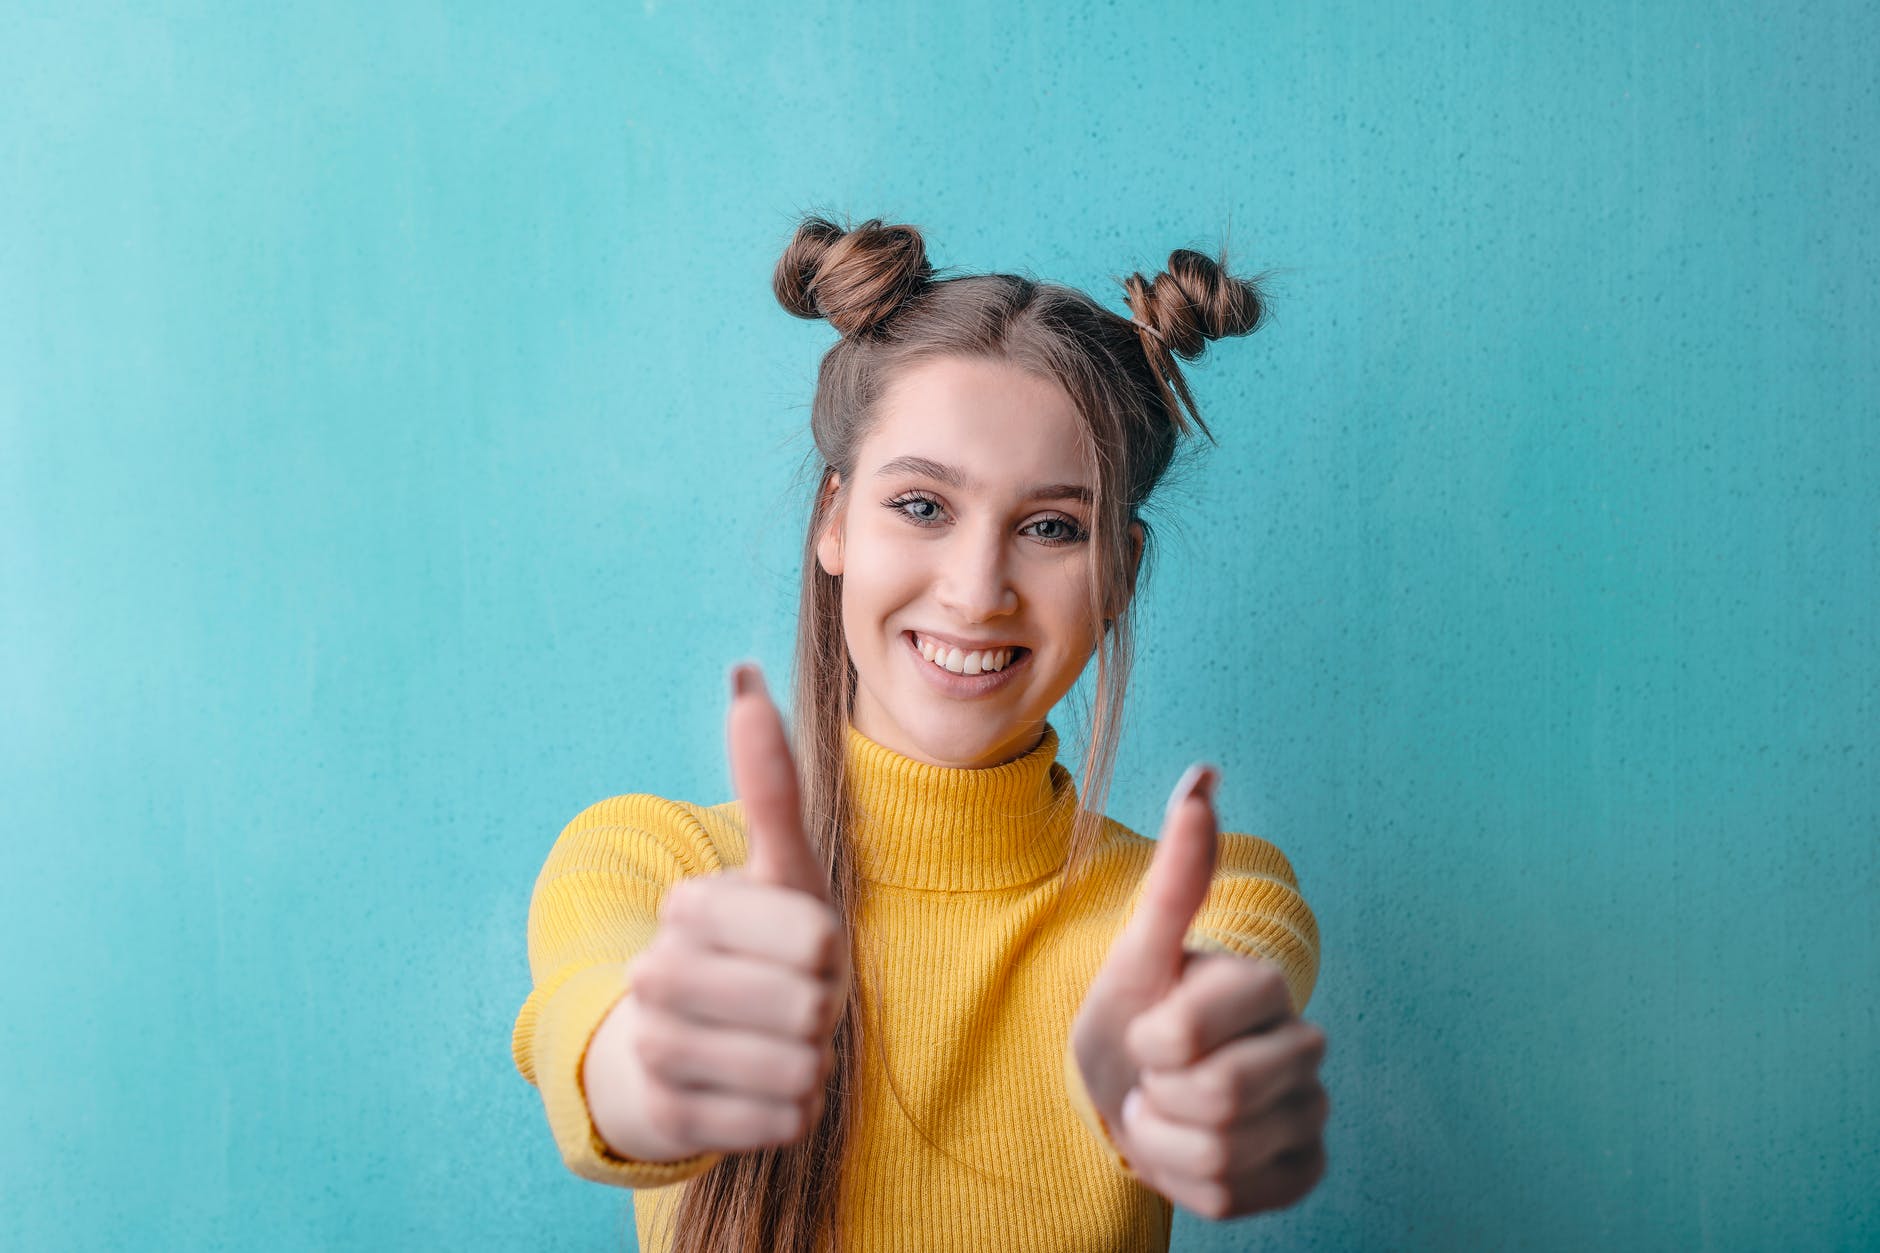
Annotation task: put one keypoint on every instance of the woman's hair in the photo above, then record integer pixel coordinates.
(874, 284)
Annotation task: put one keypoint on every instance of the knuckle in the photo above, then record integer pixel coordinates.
(1212, 1201)
(1217, 1091)
(668, 1113)
(659, 1053)
(844, 972)
(1305, 1161)
(1135, 1044)
(1311, 1110)
(1209, 1160)
(799, 1016)
(822, 936)
(813, 1011)
(679, 898)
(804, 1072)
(649, 977)
(791, 1123)
(1305, 1168)
(689, 901)
(1242, 1089)
(1154, 1037)
(829, 1004)
(1160, 1090)
(1183, 1033)
(677, 923)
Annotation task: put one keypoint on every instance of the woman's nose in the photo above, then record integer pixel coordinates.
(974, 582)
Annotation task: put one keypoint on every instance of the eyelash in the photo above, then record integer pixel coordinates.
(899, 505)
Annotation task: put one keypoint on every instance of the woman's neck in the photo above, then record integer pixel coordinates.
(961, 744)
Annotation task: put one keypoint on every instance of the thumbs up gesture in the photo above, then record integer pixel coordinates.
(725, 1039)
(1205, 1077)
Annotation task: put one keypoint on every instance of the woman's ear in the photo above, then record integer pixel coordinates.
(829, 543)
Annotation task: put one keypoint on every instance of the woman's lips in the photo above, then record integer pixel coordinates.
(964, 685)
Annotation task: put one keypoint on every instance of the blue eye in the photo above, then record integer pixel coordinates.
(1071, 534)
(900, 505)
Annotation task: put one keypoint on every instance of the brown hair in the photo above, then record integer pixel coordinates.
(874, 284)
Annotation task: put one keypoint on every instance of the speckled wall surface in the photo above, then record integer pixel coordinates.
(396, 440)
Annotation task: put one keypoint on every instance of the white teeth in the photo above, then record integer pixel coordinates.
(979, 661)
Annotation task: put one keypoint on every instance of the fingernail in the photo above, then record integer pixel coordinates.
(745, 679)
(1209, 779)
(1198, 780)
(1131, 1104)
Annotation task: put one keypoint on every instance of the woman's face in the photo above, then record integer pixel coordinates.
(966, 526)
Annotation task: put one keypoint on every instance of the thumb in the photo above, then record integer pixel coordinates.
(1150, 948)
(764, 776)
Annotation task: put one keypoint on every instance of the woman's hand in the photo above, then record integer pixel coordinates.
(724, 1040)
(1196, 1061)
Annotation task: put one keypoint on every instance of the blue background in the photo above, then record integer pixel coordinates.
(398, 439)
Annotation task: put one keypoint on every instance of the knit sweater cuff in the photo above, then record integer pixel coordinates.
(1087, 1110)
(564, 1026)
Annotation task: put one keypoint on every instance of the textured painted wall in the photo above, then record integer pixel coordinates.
(396, 444)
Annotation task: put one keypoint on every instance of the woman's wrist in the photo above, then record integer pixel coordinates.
(614, 1082)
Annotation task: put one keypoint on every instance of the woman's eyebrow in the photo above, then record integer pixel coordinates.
(953, 478)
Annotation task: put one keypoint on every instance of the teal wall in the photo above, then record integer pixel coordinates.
(396, 444)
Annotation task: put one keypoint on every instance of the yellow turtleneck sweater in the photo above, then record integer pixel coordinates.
(977, 988)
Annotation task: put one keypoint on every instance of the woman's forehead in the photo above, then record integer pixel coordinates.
(995, 427)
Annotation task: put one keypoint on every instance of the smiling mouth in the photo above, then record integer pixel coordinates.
(963, 661)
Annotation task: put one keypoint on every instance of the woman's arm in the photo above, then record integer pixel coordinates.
(1187, 1059)
(595, 907)
(717, 1034)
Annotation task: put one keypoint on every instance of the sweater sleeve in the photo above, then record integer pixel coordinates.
(1092, 1118)
(1253, 908)
(595, 906)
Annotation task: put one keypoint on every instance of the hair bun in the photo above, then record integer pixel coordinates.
(1195, 300)
(854, 277)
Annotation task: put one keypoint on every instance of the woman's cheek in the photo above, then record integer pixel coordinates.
(867, 603)
(884, 570)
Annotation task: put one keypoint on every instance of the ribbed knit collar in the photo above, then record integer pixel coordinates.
(947, 828)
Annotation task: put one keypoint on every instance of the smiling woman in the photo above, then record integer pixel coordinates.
(981, 544)
(912, 989)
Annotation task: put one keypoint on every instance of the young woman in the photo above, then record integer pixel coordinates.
(909, 991)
